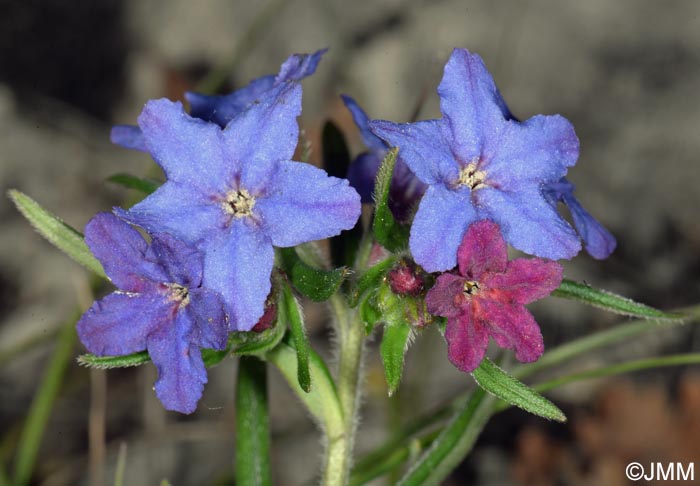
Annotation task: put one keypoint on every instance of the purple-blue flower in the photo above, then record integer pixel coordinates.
(480, 163)
(235, 192)
(160, 306)
(406, 189)
(221, 109)
(598, 241)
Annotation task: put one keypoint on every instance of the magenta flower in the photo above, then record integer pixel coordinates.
(487, 297)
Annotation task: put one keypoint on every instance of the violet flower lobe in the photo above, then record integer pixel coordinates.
(486, 296)
(221, 109)
(160, 306)
(236, 192)
(480, 163)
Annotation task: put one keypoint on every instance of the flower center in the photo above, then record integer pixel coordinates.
(178, 293)
(239, 203)
(471, 177)
(471, 287)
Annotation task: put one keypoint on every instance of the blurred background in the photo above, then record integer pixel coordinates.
(626, 73)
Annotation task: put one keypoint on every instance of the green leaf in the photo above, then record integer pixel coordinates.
(371, 279)
(145, 185)
(609, 301)
(211, 358)
(387, 231)
(395, 342)
(369, 313)
(252, 424)
(289, 311)
(496, 381)
(258, 343)
(58, 233)
(316, 284)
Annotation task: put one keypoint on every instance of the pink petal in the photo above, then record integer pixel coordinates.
(467, 340)
(525, 280)
(482, 250)
(446, 294)
(512, 327)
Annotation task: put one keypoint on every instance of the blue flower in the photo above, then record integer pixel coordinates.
(598, 241)
(406, 189)
(222, 109)
(160, 306)
(480, 163)
(236, 192)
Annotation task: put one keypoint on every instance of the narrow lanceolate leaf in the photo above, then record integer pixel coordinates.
(252, 424)
(609, 301)
(314, 283)
(147, 186)
(59, 234)
(291, 312)
(397, 335)
(211, 358)
(496, 381)
(371, 279)
(387, 231)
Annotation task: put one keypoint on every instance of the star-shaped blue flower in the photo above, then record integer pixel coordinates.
(480, 163)
(236, 192)
(222, 109)
(160, 306)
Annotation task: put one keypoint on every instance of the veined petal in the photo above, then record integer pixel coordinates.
(444, 298)
(207, 311)
(440, 223)
(177, 209)
(467, 341)
(422, 147)
(182, 263)
(482, 250)
(471, 105)
(181, 371)
(238, 266)
(304, 204)
(512, 327)
(189, 150)
(600, 243)
(121, 250)
(529, 223)
(537, 150)
(525, 280)
(121, 322)
(128, 136)
(361, 119)
(299, 66)
(265, 134)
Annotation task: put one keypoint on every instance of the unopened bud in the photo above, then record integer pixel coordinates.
(405, 280)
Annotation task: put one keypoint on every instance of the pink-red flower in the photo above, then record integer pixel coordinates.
(486, 296)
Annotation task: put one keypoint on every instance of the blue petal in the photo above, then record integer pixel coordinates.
(208, 313)
(361, 119)
(182, 263)
(264, 134)
(299, 66)
(363, 172)
(222, 109)
(120, 323)
(599, 242)
(122, 252)
(304, 204)
(529, 222)
(238, 266)
(422, 147)
(128, 136)
(181, 371)
(189, 150)
(472, 106)
(539, 149)
(440, 223)
(179, 210)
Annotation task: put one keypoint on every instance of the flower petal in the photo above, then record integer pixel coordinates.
(120, 323)
(181, 371)
(304, 204)
(537, 150)
(512, 327)
(525, 280)
(265, 134)
(528, 222)
(467, 341)
(128, 136)
(299, 66)
(178, 209)
(188, 149)
(422, 147)
(181, 263)
(207, 311)
(444, 298)
(122, 252)
(600, 243)
(482, 250)
(361, 119)
(440, 223)
(238, 266)
(471, 105)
